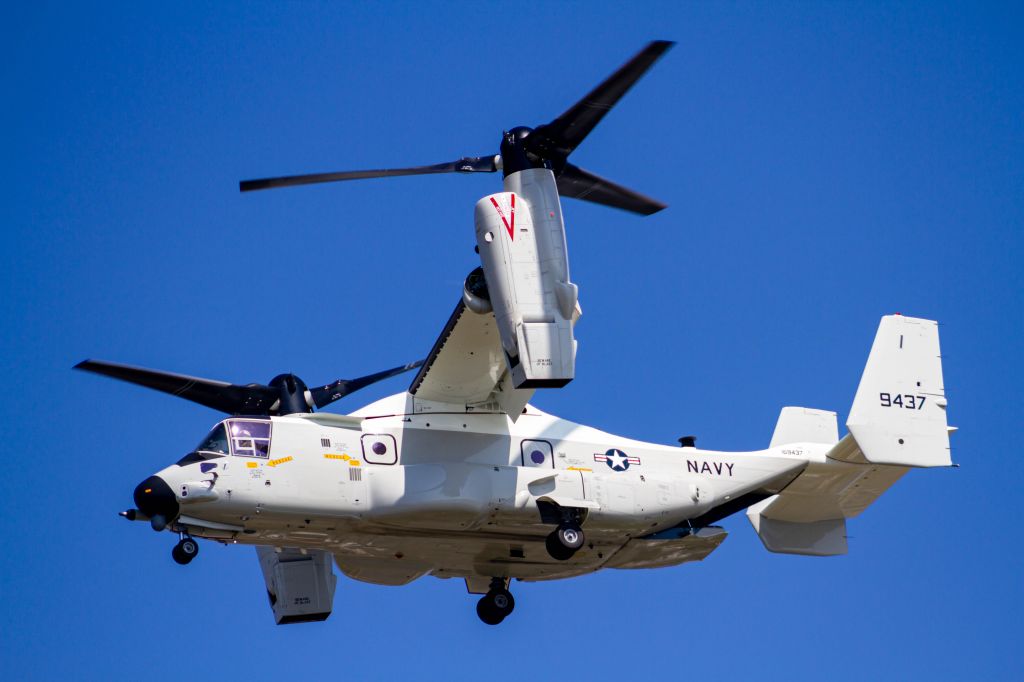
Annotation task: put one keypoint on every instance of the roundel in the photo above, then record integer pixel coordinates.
(617, 460)
(379, 449)
(537, 453)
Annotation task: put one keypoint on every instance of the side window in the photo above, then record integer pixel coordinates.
(250, 438)
(537, 453)
(379, 449)
(215, 441)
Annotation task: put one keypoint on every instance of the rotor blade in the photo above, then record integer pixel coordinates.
(576, 183)
(565, 133)
(325, 395)
(219, 395)
(469, 164)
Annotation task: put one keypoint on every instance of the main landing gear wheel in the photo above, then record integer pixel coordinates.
(185, 551)
(495, 606)
(564, 542)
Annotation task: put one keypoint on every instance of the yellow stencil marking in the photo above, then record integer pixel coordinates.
(353, 462)
(335, 456)
(275, 462)
(578, 469)
(251, 465)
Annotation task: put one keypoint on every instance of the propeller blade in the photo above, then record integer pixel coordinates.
(325, 395)
(578, 183)
(219, 395)
(469, 164)
(560, 137)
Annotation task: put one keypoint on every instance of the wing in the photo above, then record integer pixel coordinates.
(668, 548)
(467, 367)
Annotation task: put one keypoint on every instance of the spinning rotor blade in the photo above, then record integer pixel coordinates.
(469, 164)
(560, 137)
(218, 395)
(283, 396)
(576, 183)
(325, 395)
(547, 146)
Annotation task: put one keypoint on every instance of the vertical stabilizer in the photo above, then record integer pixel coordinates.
(899, 412)
(804, 425)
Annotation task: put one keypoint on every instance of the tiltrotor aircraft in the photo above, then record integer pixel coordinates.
(460, 477)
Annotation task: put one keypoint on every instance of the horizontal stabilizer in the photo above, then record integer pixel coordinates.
(809, 515)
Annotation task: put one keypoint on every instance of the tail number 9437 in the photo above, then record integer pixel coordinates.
(905, 400)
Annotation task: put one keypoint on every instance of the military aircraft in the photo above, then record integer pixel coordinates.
(461, 477)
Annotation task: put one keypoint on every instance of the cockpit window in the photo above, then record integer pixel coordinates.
(250, 438)
(215, 441)
(193, 457)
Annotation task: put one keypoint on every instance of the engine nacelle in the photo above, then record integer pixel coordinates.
(521, 239)
(300, 585)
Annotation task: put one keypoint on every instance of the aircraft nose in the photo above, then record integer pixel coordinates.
(155, 499)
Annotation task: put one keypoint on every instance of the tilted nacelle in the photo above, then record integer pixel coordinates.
(521, 239)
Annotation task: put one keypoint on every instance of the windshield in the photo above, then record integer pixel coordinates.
(250, 438)
(215, 441)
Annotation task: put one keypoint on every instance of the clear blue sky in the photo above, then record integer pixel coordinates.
(824, 164)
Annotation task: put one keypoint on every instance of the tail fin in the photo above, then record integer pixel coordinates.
(899, 412)
(898, 418)
(804, 425)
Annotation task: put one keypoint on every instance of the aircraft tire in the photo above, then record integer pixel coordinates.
(556, 549)
(185, 551)
(502, 601)
(570, 537)
(488, 613)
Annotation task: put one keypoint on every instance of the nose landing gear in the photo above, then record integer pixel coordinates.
(186, 550)
(497, 604)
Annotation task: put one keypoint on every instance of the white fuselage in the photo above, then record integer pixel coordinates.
(395, 495)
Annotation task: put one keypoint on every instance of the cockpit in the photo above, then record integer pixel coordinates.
(216, 441)
(241, 437)
(249, 438)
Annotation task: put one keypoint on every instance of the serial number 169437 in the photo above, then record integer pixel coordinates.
(904, 400)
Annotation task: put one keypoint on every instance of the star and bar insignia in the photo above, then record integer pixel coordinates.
(617, 460)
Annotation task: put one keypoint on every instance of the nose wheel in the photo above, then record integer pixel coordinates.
(497, 604)
(186, 550)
